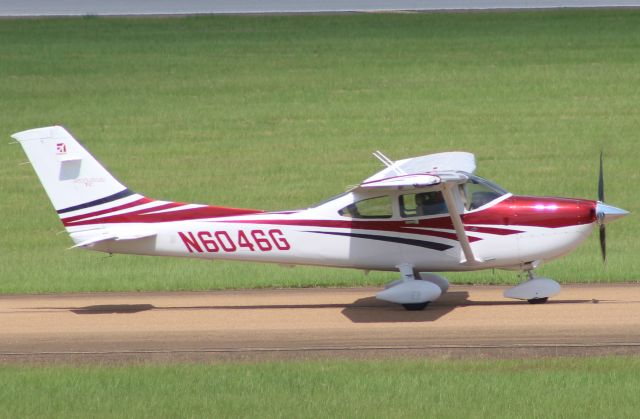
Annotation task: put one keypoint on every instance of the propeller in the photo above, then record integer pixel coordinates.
(603, 231)
(605, 213)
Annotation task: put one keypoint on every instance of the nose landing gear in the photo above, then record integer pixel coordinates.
(535, 290)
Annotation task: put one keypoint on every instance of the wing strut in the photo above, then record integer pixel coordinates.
(458, 226)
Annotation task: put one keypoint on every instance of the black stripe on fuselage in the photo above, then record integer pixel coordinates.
(410, 242)
(122, 194)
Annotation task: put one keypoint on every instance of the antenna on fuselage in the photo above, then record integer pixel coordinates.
(384, 159)
(387, 162)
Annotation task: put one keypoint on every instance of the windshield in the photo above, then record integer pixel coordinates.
(331, 198)
(479, 191)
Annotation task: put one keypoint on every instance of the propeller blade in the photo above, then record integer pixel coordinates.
(603, 231)
(603, 243)
(601, 182)
(605, 213)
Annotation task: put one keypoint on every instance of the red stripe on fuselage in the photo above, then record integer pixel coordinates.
(131, 214)
(513, 211)
(108, 210)
(147, 216)
(387, 226)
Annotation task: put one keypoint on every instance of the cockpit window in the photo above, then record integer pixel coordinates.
(379, 207)
(479, 192)
(421, 204)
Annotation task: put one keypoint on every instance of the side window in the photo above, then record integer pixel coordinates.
(379, 207)
(421, 204)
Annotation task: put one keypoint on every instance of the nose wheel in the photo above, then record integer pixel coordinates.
(538, 300)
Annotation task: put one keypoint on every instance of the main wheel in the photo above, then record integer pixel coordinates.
(538, 300)
(415, 306)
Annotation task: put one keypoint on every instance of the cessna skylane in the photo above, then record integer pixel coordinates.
(416, 216)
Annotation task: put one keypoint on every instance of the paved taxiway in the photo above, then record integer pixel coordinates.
(172, 7)
(303, 323)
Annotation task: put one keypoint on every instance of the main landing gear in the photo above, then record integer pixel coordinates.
(535, 290)
(414, 291)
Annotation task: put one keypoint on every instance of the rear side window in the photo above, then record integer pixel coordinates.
(379, 207)
(422, 204)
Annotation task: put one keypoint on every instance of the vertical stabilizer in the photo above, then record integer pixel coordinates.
(71, 176)
(91, 203)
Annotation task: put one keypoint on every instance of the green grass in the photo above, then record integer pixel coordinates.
(559, 388)
(279, 112)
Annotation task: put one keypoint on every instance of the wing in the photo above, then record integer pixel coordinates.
(432, 164)
(415, 181)
(83, 239)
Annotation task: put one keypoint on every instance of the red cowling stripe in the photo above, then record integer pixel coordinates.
(443, 234)
(492, 230)
(533, 211)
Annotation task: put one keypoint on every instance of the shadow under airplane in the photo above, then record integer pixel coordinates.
(364, 310)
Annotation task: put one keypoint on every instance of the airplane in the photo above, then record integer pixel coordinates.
(417, 216)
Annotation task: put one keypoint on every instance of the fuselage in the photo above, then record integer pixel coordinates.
(508, 232)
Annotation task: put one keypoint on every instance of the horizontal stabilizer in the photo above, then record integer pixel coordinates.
(106, 234)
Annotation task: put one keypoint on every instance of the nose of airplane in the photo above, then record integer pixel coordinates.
(608, 213)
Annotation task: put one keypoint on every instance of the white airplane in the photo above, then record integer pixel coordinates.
(428, 213)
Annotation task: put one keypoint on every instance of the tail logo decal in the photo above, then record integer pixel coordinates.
(88, 182)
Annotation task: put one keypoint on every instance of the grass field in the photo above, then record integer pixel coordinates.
(279, 112)
(558, 388)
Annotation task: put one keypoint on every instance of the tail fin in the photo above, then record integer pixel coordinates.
(91, 203)
(79, 187)
(72, 177)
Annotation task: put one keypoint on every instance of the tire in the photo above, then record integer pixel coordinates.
(538, 300)
(415, 306)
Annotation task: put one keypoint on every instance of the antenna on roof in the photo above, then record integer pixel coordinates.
(388, 162)
(384, 159)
